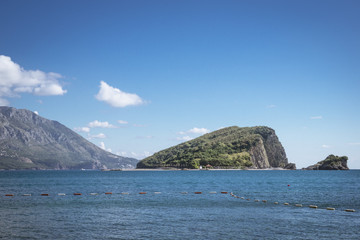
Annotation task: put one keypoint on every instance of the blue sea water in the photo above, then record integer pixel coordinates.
(167, 212)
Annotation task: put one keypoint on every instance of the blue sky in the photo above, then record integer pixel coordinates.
(140, 76)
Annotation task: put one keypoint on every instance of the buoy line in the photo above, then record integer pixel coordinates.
(183, 193)
(288, 204)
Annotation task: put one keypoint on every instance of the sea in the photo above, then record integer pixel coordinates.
(261, 204)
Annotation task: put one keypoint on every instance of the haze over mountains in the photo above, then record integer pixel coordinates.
(28, 141)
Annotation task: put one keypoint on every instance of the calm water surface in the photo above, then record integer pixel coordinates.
(171, 214)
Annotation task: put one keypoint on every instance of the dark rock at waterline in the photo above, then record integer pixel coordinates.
(290, 166)
(332, 162)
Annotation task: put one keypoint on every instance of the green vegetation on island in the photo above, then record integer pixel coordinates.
(232, 147)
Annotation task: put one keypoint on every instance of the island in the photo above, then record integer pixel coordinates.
(331, 162)
(228, 148)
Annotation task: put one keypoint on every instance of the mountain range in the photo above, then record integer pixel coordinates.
(29, 141)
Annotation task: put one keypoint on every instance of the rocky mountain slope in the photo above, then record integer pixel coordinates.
(28, 141)
(331, 162)
(232, 147)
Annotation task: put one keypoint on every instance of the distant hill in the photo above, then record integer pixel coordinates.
(331, 162)
(28, 141)
(232, 147)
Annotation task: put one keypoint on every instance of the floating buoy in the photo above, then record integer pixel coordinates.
(108, 193)
(27, 194)
(224, 192)
(276, 202)
(242, 198)
(264, 201)
(9, 195)
(44, 194)
(298, 205)
(288, 185)
(248, 199)
(349, 210)
(61, 194)
(212, 192)
(184, 192)
(157, 192)
(312, 206)
(142, 192)
(330, 208)
(125, 193)
(198, 192)
(286, 203)
(94, 193)
(256, 200)
(77, 194)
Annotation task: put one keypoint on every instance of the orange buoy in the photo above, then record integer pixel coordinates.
(77, 194)
(198, 192)
(224, 192)
(142, 192)
(9, 195)
(44, 194)
(108, 193)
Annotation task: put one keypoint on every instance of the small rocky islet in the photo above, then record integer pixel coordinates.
(331, 162)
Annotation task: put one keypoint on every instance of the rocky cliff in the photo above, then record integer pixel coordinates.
(331, 162)
(232, 147)
(28, 141)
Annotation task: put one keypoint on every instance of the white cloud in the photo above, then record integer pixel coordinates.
(117, 98)
(102, 146)
(184, 138)
(82, 129)
(97, 123)
(100, 135)
(325, 146)
(15, 80)
(316, 117)
(4, 102)
(122, 122)
(198, 130)
(134, 154)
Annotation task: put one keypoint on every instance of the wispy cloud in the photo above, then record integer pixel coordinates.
(184, 138)
(15, 80)
(136, 155)
(100, 135)
(316, 117)
(82, 129)
(99, 124)
(198, 130)
(193, 132)
(325, 146)
(354, 144)
(271, 106)
(117, 98)
(122, 122)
